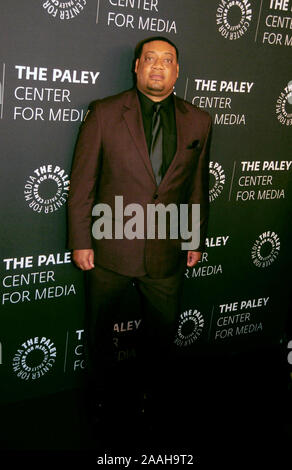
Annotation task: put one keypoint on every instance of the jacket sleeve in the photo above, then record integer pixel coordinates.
(200, 189)
(84, 175)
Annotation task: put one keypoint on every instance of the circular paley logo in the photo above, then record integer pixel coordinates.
(284, 106)
(216, 170)
(191, 323)
(265, 249)
(34, 358)
(64, 10)
(47, 189)
(233, 18)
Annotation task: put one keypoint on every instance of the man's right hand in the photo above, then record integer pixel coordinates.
(84, 259)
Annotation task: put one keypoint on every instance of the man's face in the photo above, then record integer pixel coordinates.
(157, 70)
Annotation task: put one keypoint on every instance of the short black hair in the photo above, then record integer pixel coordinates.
(139, 47)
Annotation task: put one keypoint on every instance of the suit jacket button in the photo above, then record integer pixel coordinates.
(155, 196)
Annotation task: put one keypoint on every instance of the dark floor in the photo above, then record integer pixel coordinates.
(227, 411)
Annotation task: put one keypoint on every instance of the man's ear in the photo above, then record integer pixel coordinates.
(137, 64)
(177, 70)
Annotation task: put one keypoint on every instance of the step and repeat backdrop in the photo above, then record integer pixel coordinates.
(58, 56)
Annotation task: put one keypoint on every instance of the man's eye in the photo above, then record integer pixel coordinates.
(149, 59)
(168, 61)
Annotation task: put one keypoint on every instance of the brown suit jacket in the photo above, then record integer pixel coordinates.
(111, 159)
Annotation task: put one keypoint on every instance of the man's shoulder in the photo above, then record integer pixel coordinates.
(193, 109)
(113, 100)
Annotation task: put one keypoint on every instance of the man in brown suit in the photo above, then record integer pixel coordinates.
(113, 157)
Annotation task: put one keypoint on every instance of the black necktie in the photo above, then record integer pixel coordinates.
(156, 149)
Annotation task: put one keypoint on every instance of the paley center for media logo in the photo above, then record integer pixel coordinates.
(34, 358)
(111, 224)
(265, 249)
(47, 189)
(217, 171)
(284, 105)
(191, 323)
(233, 18)
(64, 10)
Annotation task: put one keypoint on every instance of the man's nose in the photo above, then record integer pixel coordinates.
(158, 63)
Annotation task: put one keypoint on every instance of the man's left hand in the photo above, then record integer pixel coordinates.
(193, 258)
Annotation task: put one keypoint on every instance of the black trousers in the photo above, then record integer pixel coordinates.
(159, 301)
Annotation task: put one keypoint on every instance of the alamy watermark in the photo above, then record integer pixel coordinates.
(162, 222)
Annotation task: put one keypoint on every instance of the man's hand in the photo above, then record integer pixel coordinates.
(84, 259)
(193, 258)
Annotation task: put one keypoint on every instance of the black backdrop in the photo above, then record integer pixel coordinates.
(56, 57)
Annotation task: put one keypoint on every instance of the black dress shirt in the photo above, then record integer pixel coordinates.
(167, 114)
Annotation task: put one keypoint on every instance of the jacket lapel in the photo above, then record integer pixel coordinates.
(133, 117)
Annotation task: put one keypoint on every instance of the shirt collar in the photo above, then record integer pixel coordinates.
(147, 103)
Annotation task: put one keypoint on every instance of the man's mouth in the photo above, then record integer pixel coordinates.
(155, 76)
